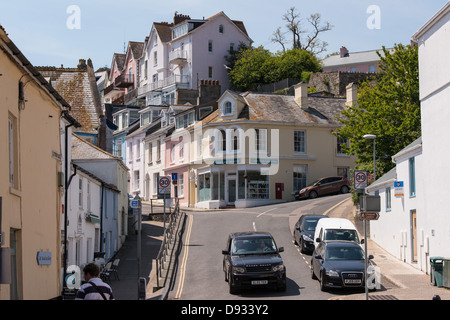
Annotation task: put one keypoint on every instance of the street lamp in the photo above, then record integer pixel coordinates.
(368, 137)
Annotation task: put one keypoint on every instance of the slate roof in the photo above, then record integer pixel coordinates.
(79, 88)
(352, 58)
(81, 149)
(322, 111)
(136, 49)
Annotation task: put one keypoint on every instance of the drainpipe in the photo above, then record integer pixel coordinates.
(66, 186)
(101, 218)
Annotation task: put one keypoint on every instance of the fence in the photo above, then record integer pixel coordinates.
(171, 236)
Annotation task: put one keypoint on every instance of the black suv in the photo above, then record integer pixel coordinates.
(252, 259)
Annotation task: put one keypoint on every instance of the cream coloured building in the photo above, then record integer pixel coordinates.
(33, 121)
(257, 149)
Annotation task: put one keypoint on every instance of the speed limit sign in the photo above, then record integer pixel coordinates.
(164, 185)
(360, 179)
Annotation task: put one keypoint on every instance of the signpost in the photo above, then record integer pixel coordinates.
(360, 180)
(369, 215)
(163, 190)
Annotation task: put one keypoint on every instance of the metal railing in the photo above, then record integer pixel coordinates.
(169, 239)
(178, 80)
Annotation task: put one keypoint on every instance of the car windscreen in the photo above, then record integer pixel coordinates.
(344, 253)
(342, 235)
(253, 246)
(310, 224)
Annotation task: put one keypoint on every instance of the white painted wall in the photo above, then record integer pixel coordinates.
(434, 74)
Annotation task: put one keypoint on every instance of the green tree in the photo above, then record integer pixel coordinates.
(389, 107)
(255, 66)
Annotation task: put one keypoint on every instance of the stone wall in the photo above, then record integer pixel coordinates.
(336, 82)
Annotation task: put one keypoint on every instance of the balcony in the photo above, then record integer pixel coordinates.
(124, 81)
(180, 81)
(178, 56)
(111, 91)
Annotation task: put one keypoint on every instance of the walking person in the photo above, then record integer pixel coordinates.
(94, 288)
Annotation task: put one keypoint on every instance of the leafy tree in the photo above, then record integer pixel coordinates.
(255, 66)
(388, 107)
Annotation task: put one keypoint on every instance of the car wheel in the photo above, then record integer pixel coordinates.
(295, 240)
(323, 287)
(344, 189)
(232, 290)
(226, 276)
(313, 195)
(313, 276)
(302, 246)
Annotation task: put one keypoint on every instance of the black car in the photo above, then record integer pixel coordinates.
(304, 232)
(252, 259)
(340, 264)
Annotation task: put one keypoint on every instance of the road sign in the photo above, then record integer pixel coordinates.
(134, 204)
(360, 179)
(369, 215)
(164, 185)
(174, 176)
(398, 193)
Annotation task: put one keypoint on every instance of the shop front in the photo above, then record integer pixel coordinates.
(238, 186)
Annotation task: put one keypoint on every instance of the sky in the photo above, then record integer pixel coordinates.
(60, 32)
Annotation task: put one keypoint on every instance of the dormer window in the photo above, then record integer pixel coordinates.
(227, 108)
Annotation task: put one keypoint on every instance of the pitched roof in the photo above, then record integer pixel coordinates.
(352, 58)
(79, 88)
(136, 48)
(322, 111)
(164, 31)
(120, 60)
(81, 149)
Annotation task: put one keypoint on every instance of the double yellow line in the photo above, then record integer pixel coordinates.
(185, 257)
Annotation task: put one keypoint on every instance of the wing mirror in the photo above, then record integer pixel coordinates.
(281, 249)
(225, 252)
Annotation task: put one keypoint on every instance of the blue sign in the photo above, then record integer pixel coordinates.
(44, 258)
(134, 204)
(174, 177)
(398, 184)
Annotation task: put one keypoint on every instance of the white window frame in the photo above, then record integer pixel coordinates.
(302, 142)
(181, 185)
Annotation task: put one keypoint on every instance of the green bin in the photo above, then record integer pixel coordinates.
(436, 271)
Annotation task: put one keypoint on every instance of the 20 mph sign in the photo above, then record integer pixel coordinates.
(360, 179)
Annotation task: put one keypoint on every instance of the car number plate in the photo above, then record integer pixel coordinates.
(352, 281)
(259, 282)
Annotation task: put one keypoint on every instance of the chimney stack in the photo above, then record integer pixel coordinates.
(344, 52)
(208, 90)
(82, 64)
(352, 95)
(301, 95)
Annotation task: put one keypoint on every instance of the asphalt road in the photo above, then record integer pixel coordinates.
(200, 276)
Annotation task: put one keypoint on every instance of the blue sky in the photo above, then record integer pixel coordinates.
(39, 28)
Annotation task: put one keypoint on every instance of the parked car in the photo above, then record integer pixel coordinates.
(336, 229)
(340, 264)
(252, 259)
(304, 232)
(324, 186)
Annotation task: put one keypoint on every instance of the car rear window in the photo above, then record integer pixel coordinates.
(344, 253)
(341, 234)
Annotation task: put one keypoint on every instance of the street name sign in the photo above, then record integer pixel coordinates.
(369, 215)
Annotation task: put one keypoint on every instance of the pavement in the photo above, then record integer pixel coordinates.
(400, 281)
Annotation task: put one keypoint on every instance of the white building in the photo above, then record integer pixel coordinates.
(417, 225)
(433, 40)
(177, 56)
(401, 228)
